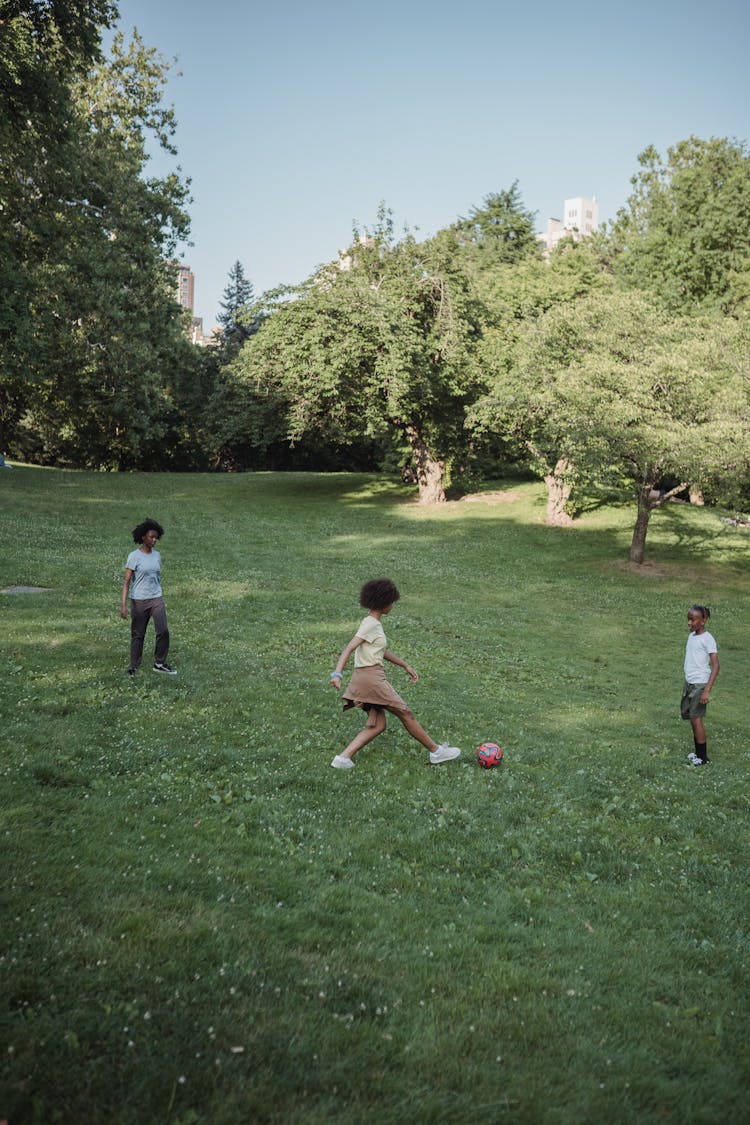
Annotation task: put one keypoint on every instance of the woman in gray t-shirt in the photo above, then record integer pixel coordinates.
(143, 582)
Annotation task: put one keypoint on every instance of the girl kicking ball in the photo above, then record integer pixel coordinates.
(369, 688)
(701, 669)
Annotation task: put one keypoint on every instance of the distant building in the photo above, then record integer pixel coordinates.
(185, 295)
(199, 339)
(348, 258)
(185, 287)
(581, 220)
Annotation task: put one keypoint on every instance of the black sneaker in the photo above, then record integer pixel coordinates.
(164, 668)
(132, 671)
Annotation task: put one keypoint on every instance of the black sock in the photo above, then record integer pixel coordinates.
(701, 750)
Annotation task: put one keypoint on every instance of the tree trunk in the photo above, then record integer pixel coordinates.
(558, 494)
(429, 469)
(648, 498)
(645, 507)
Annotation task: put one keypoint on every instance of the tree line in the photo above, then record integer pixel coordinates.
(615, 367)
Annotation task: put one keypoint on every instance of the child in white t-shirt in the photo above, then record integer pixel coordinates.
(369, 688)
(701, 669)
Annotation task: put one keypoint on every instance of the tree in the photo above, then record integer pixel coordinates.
(501, 230)
(383, 340)
(511, 297)
(608, 391)
(44, 45)
(44, 48)
(92, 363)
(236, 317)
(514, 294)
(684, 233)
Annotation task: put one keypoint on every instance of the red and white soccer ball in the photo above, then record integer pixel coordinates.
(489, 754)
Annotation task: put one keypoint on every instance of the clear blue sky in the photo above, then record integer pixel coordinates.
(297, 119)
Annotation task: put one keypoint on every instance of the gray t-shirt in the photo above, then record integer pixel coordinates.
(146, 580)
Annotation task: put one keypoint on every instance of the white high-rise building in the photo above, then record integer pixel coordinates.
(581, 215)
(581, 218)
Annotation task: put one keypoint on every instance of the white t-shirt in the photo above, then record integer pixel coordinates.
(373, 643)
(697, 651)
(146, 580)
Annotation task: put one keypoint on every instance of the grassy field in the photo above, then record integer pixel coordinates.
(203, 922)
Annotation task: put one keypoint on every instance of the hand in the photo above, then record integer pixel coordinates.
(336, 681)
(413, 676)
(124, 612)
(704, 697)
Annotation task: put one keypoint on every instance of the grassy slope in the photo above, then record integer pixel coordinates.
(204, 922)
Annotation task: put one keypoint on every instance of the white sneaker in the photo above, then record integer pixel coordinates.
(693, 757)
(341, 763)
(444, 753)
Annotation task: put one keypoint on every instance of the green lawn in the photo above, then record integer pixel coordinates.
(203, 922)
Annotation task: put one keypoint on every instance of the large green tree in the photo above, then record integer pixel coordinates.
(512, 296)
(91, 338)
(382, 341)
(684, 234)
(45, 47)
(609, 391)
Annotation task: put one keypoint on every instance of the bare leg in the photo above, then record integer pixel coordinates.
(372, 717)
(698, 729)
(417, 731)
(365, 736)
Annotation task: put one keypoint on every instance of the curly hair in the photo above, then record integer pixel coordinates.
(139, 533)
(378, 593)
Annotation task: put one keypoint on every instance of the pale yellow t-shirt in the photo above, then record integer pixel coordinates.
(373, 643)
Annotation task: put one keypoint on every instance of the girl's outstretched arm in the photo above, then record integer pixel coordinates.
(393, 659)
(337, 675)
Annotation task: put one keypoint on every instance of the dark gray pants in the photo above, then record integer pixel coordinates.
(140, 614)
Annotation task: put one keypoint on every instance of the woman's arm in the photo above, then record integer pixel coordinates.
(393, 659)
(125, 588)
(337, 675)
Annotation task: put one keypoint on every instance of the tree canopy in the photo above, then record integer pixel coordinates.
(684, 233)
(501, 229)
(383, 339)
(92, 338)
(609, 391)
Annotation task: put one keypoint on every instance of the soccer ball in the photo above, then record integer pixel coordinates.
(489, 754)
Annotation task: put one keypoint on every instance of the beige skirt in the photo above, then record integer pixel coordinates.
(369, 688)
